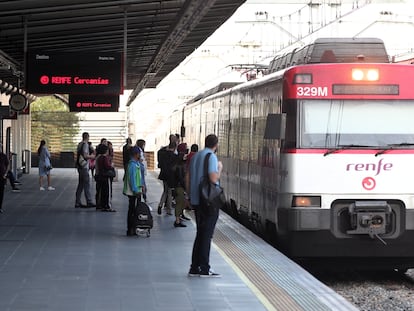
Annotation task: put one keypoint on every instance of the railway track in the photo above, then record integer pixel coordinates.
(373, 290)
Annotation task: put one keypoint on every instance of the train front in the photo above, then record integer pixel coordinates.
(347, 168)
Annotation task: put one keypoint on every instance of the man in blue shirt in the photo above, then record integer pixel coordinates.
(200, 265)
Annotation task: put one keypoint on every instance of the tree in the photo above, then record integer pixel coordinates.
(52, 121)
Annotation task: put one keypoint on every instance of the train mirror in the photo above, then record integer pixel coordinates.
(275, 126)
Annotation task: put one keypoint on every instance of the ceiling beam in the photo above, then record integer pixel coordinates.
(191, 14)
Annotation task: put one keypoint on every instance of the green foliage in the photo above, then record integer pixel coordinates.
(48, 104)
(52, 121)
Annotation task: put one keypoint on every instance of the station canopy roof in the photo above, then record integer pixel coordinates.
(159, 34)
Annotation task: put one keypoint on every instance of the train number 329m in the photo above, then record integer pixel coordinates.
(312, 91)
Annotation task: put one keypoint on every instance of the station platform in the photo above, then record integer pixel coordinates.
(56, 257)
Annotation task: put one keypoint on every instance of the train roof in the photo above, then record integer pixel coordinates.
(321, 51)
(218, 88)
(334, 50)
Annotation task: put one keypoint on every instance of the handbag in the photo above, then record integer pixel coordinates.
(82, 162)
(212, 196)
(109, 173)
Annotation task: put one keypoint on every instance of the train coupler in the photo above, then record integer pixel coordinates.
(370, 217)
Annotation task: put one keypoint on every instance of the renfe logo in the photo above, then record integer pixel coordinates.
(374, 167)
(369, 183)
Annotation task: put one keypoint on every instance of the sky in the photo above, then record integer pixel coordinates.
(258, 31)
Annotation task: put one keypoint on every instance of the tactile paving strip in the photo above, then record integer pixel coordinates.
(273, 279)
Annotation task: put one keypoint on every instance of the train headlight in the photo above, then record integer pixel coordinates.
(306, 201)
(365, 74)
(372, 75)
(357, 74)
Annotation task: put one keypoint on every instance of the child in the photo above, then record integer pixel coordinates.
(133, 188)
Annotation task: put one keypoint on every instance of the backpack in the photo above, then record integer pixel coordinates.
(142, 216)
(161, 156)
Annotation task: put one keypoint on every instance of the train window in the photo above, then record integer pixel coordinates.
(377, 123)
(275, 126)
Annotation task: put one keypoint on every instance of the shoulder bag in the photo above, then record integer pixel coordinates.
(212, 196)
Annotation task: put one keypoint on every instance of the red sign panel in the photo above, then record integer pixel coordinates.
(94, 103)
(74, 73)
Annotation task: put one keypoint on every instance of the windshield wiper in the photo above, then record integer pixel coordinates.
(392, 146)
(343, 147)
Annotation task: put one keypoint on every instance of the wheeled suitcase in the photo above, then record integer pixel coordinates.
(143, 218)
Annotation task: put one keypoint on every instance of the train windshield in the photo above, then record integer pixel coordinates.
(335, 123)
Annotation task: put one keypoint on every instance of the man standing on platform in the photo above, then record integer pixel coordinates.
(82, 164)
(200, 265)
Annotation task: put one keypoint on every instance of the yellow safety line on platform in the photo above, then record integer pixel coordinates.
(266, 303)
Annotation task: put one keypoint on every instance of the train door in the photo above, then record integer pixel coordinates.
(257, 212)
(245, 149)
(250, 176)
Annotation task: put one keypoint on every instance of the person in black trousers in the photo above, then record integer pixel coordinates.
(206, 222)
(4, 164)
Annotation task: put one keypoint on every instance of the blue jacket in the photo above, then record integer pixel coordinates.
(133, 180)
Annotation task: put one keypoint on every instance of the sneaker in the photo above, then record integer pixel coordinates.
(209, 274)
(159, 209)
(184, 217)
(42, 188)
(15, 190)
(50, 188)
(193, 273)
(108, 210)
(180, 224)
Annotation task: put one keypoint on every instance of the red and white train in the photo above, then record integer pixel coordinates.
(318, 155)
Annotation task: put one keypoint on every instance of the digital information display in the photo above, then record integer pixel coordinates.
(365, 89)
(74, 73)
(94, 103)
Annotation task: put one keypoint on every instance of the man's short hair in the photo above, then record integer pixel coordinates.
(85, 135)
(194, 148)
(140, 143)
(211, 141)
(101, 149)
